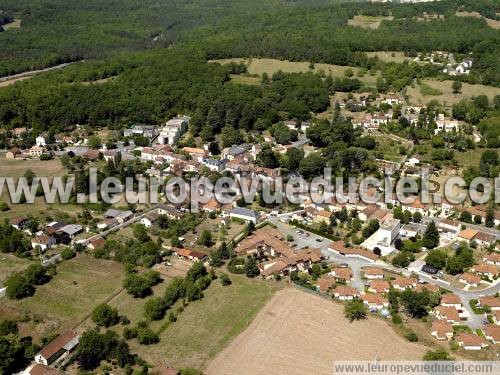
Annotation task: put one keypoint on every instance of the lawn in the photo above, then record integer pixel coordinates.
(80, 284)
(418, 95)
(205, 327)
(271, 66)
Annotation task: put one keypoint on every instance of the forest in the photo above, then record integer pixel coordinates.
(56, 31)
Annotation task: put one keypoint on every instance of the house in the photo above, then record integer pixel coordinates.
(244, 214)
(496, 317)
(149, 219)
(345, 293)
(486, 269)
(484, 239)
(39, 369)
(213, 205)
(12, 153)
(40, 141)
(493, 303)
(170, 211)
(402, 283)
(61, 346)
(373, 273)
(215, 165)
(323, 216)
(449, 225)
(51, 228)
(36, 151)
(325, 283)
(470, 279)
(386, 235)
(493, 258)
(412, 230)
(173, 130)
(379, 286)
(196, 153)
(470, 341)
(338, 247)
(264, 242)
(449, 314)
(341, 273)
(67, 233)
(147, 131)
(374, 301)
(19, 223)
(118, 215)
(468, 234)
(43, 241)
(492, 333)
(451, 300)
(96, 243)
(442, 330)
(191, 255)
(392, 99)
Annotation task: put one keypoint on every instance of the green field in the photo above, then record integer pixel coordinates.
(9, 264)
(80, 284)
(205, 327)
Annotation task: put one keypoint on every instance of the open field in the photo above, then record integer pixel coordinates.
(491, 23)
(416, 94)
(368, 22)
(80, 284)
(397, 57)
(17, 168)
(271, 66)
(300, 333)
(205, 327)
(9, 264)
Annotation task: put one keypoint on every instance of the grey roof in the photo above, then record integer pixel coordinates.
(71, 229)
(245, 212)
(70, 345)
(112, 212)
(125, 214)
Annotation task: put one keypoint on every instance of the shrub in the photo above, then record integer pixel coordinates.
(396, 319)
(67, 253)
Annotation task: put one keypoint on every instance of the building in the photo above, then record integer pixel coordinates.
(374, 301)
(470, 341)
(12, 153)
(19, 223)
(36, 151)
(191, 255)
(43, 241)
(451, 300)
(96, 243)
(492, 333)
(40, 141)
(173, 130)
(67, 233)
(147, 131)
(338, 247)
(341, 273)
(119, 215)
(39, 369)
(60, 347)
(470, 279)
(486, 269)
(403, 283)
(244, 214)
(149, 220)
(491, 302)
(379, 286)
(493, 258)
(373, 273)
(170, 211)
(449, 314)
(325, 283)
(345, 293)
(442, 330)
(215, 165)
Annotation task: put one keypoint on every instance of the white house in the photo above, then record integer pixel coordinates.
(61, 346)
(173, 130)
(44, 242)
(40, 141)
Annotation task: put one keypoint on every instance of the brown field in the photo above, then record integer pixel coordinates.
(271, 66)
(300, 333)
(17, 168)
(397, 57)
(447, 97)
(491, 23)
(367, 22)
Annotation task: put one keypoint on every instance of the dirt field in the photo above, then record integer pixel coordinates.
(367, 22)
(300, 333)
(270, 66)
(447, 97)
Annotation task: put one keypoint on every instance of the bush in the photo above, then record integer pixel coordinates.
(411, 336)
(105, 315)
(236, 266)
(68, 253)
(146, 336)
(225, 280)
(396, 319)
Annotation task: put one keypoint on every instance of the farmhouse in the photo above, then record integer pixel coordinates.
(193, 256)
(470, 341)
(57, 348)
(442, 330)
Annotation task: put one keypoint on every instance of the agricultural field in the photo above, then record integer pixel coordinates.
(287, 334)
(205, 327)
(368, 22)
(80, 284)
(271, 66)
(442, 92)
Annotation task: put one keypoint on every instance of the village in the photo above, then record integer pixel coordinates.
(350, 251)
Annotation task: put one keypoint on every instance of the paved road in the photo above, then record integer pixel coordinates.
(315, 241)
(34, 72)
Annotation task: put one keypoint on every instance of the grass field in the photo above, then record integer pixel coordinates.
(301, 333)
(419, 96)
(427, 90)
(270, 66)
(80, 284)
(491, 23)
(245, 80)
(9, 264)
(368, 22)
(205, 327)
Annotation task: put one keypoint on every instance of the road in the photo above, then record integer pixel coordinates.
(314, 241)
(34, 72)
(481, 228)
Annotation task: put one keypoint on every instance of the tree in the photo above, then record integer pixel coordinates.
(225, 280)
(18, 287)
(403, 259)
(141, 233)
(417, 217)
(293, 157)
(490, 217)
(457, 87)
(155, 308)
(431, 236)
(465, 216)
(312, 165)
(251, 268)
(372, 227)
(214, 148)
(94, 142)
(355, 310)
(205, 238)
(437, 258)
(105, 315)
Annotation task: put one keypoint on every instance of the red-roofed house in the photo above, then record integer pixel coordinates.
(345, 293)
(62, 345)
(470, 279)
(470, 341)
(442, 330)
